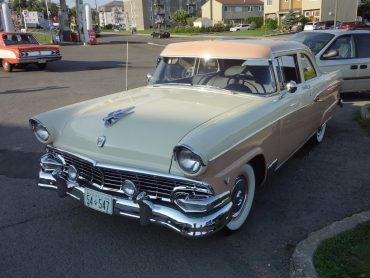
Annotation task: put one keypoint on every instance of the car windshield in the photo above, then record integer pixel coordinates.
(15, 39)
(247, 76)
(314, 40)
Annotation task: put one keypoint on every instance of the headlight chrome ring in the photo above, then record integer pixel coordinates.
(189, 161)
(41, 133)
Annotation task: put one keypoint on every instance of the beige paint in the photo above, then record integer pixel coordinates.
(216, 14)
(227, 130)
(347, 9)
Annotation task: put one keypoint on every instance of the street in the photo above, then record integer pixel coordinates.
(42, 235)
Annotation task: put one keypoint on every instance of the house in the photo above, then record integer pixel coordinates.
(315, 10)
(111, 13)
(202, 22)
(231, 11)
(144, 14)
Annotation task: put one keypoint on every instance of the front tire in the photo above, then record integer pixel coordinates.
(8, 67)
(242, 198)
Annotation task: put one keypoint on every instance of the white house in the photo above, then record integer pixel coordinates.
(202, 22)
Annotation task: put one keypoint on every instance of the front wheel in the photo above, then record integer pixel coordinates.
(242, 198)
(8, 67)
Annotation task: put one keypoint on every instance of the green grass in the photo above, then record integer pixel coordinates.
(43, 38)
(364, 123)
(345, 255)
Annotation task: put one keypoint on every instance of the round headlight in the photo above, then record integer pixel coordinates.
(41, 133)
(188, 161)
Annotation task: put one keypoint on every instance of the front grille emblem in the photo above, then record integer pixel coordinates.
(101, 141)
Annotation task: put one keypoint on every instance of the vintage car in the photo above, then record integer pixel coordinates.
(19, 49)
(189, 149)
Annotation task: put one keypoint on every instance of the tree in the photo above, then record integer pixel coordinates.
(289, 20)
(179, 17)
(364, 9)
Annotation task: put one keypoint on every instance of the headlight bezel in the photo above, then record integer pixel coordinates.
(38, 128)
(194, 169)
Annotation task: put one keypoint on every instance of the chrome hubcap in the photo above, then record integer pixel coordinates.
(239, 197)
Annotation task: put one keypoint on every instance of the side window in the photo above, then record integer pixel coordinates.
(308, 69)
(288, 70)
(363, 45)
(344, 46)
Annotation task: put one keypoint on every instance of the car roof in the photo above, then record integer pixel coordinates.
(242, 48)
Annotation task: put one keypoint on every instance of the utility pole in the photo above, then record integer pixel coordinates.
(335, 14)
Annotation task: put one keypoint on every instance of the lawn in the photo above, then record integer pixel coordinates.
(345, 255)
(43, 38)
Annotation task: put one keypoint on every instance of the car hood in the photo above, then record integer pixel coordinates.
(161, 117)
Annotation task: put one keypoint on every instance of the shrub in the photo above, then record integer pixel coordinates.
(271, 23)
(258, 20)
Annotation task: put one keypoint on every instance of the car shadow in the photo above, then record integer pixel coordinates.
(30, 90)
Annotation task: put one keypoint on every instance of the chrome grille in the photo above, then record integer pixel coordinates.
(111, 179)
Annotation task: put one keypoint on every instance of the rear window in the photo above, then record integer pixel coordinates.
(362, 45)
(314, 40)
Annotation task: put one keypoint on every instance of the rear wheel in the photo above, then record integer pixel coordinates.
(7, 66)
(242, 198)
(318, 137)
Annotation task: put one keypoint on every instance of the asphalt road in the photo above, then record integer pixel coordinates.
(44, 236)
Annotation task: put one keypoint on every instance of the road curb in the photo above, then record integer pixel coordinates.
(301, 263)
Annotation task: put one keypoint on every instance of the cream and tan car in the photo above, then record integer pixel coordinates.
(188, 150)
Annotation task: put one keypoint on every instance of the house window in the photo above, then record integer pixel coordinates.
(238, 9)
(316, 13)
(307, 14)
(269, 2)
(260, 8)
(225, 8)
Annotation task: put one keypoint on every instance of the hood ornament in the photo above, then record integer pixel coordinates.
(115, 116)
(101, 141)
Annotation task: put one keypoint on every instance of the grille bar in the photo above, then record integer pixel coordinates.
(113, 179)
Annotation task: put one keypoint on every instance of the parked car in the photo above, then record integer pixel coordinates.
(241, 27)
(347, 51)
(188, 150)
(20, 49)
(353, 25)
(161, 34)
(310, 26)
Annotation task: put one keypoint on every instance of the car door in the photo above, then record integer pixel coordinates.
(362, 41)
(295, 126)
(346, 61)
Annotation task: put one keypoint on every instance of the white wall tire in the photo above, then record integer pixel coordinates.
(8, 67)
(241, 210)
(319, 135)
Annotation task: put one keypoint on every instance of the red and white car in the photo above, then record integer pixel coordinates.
(22, 48)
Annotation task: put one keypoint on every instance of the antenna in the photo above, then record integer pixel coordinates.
(126, 64)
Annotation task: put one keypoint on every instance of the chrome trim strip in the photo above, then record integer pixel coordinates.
(257, 131)
(272, 164)
(43, 185)
(73, 196)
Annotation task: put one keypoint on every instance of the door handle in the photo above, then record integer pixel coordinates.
(363, 67)
(354, 67)
(305, 87)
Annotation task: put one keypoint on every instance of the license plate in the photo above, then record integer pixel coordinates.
(41, 61)
(98, 201)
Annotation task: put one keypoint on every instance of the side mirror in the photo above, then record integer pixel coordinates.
(291, 86)
(330, 54)
(148, 77)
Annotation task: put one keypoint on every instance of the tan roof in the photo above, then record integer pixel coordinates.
(244, 48)
(240, 2)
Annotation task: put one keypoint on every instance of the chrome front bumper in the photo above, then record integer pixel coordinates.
(150, 211)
